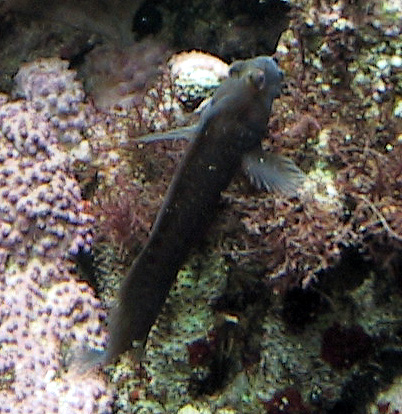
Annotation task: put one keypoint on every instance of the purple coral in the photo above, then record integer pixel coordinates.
(42, 308)
(42, 210)
(25, 129)
(53, 91)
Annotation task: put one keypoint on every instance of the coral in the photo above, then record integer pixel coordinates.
(52, 89)
(342, 130)
(284, 238)
(288, 244)
(343, 347)
(25, 130)
(159, 109)
(41, 204)
(42, 308)
(348, 146)
(338, 119)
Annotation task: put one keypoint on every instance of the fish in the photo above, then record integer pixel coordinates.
(227, 137)
(267, 171)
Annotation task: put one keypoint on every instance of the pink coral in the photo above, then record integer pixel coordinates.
(42, 308)
(42, 210)
(53, 90)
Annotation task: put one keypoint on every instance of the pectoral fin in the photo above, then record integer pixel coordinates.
(186, 133)
(273, 172)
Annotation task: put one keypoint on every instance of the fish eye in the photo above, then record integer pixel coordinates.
(257, 78)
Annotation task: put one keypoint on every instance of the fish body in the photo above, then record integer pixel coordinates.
(266, 170)
(232, 125)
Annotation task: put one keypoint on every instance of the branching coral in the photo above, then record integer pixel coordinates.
(281, 237)
(372, 179)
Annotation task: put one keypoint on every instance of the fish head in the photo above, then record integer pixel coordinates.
(273, 75)
(262, 72)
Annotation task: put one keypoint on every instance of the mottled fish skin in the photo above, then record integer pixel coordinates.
(234, 124)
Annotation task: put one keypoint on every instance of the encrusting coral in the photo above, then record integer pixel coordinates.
(42, 210)
(42, 308)
(43, 225)
(54, 92)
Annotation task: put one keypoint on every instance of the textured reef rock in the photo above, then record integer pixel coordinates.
(71, 29)
(111, 19)
(117, 76)
(330, 257)
(246, 326)
(229, 29)
(42, 210)
(66, 29)
(196, 75)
